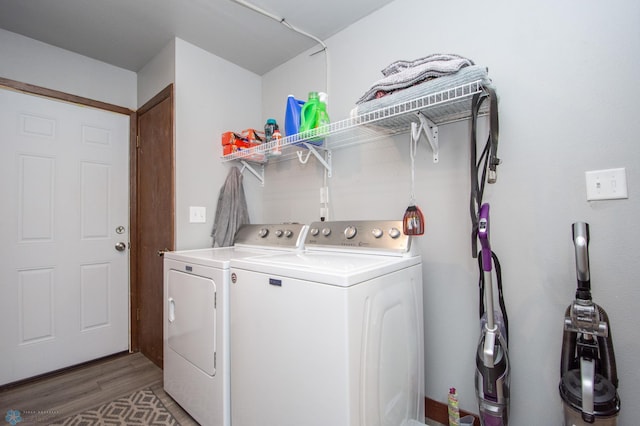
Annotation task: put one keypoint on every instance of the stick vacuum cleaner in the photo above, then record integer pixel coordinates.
(492, 362)
(589, 379)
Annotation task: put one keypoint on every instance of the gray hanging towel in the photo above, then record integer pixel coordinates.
(231, 211)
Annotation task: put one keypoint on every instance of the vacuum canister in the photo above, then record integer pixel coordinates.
(605, 400)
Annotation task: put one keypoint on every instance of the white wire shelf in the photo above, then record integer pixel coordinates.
(443, 107)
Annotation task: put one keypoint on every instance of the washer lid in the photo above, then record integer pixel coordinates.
(219, 257)
(338, 269)
(212, 257)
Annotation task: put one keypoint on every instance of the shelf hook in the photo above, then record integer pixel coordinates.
(259, 176)
(312, 150)
(300, 154)
(430, 131)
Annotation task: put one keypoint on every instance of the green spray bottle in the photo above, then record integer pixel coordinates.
(309, 113)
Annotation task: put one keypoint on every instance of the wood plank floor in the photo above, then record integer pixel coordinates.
(53, 398)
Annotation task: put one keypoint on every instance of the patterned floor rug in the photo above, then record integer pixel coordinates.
(140, 408)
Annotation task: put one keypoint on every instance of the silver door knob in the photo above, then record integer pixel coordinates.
(121, 246)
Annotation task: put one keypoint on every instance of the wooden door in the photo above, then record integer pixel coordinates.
(64, 268)
(154, 218)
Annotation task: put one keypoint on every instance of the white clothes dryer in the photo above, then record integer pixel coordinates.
(196, 326)
(332, 335)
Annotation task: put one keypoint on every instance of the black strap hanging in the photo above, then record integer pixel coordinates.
(481, 284)
(487, 164)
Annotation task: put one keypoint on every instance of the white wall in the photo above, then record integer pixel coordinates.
(212, 96)
(566, 74)
(157, 74)
(566, 77)
(30, 61)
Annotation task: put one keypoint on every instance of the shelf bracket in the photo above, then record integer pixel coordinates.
(430, 131)
(258, 175)
(312, 150)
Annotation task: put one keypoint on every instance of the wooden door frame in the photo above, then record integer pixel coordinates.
(133, 131)
(166, 93)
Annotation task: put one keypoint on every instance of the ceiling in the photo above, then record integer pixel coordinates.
(129, 33)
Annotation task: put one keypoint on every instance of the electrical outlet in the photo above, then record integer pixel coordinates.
(197, 214)
(610, 184)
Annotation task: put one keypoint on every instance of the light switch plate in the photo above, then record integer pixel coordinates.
(610, 184)
(197, 214)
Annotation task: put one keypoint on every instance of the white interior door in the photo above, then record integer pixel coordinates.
(64, 206)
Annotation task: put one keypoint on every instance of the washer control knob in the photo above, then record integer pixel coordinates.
(314, 231)
(288, 233)
(377, 232)
(394, 233)
(279, 233)
(326, 231)
(350, 232)
(263, 232)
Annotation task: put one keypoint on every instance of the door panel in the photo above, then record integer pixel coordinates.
(64, 292)
(155, 217)
(192, 319)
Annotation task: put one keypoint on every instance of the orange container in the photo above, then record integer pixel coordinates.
(229, 138)
(233, 142)
(253, 135)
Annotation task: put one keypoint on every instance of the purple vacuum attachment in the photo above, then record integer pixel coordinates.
(483, 236)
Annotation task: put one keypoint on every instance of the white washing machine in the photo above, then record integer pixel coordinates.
(331, 336)
(196, 312)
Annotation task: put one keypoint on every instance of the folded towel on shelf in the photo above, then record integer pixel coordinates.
(464, 76)
(231, 211)
(402, 74)
(398, 66)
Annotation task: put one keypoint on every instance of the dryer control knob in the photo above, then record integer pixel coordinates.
(350, 232)
(279, 233)
(288, 233)
(394, 232)
(263, 232)
(326, 231)
(377, 232)
(314, 231)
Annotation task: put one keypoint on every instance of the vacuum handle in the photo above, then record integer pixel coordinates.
(485, 254)
(581, 243)
(483, 236)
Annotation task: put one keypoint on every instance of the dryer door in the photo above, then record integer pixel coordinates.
(192, 319)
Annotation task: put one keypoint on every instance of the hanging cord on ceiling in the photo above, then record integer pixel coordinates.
(324, 208)
(284, 22)
(325, 204)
